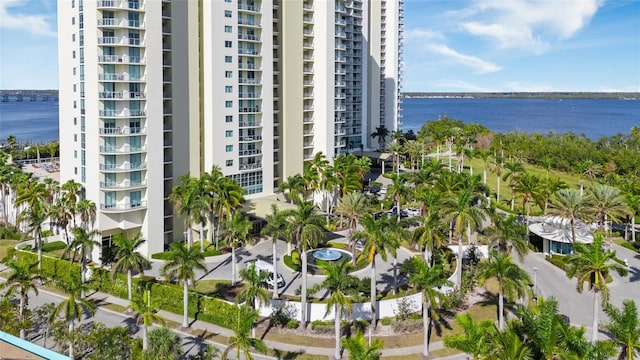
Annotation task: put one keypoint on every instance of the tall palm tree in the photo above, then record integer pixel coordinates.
(550, 186)
(236, 232)
(395, 148)
(507, 234)
(72, 191)
(398, 191)
(508, 345)
(475, 337)
(497, 167)
(569, 204)
(146, 315)
(633, 202)
(229, 199)
(277, 228)
(378, 241)
(164, 344)
(87, 210)
(624, 327)
(530, 189)
(306, 228)
(210, 181)
(20, 281)
(428, 235)
(188, 202)
(352, 206)
(253, 293)
(358, 349)
(82, 245)
(381, 134)
(294, 185)
(512, 280)
(181, 265)
(547, 333)
(459, 208)
(514, 169)
(129, 259)
(340, 286)
(35, 216)
(73, 306)
(592, 264)
(427, 279)
(606, 202)
(61, 215)
(241, 341)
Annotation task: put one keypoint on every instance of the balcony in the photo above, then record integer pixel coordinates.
(123, 40)
(119, 77)
(121, 95)
(250, 138)
(113, 22)
(246, 7)
(122, 167)
(249, 66)
(247, 22)
(124, 185)
(122, 113)
(124, 149)
(249, 37)
(121, 59)
(250, 124)
(307, 108)
(242, 51)
(256, 165)
(250, 95)
(249, 109)
(112, 208)
(250, 152)
(123, 131)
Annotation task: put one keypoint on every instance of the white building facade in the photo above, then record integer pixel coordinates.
(150, 90)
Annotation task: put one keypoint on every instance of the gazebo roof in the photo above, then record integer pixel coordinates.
(558, 229)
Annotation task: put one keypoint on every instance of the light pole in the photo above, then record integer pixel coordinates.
(535, 283)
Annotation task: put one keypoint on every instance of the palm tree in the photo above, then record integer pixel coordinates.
(427, 279)
(35, 216)
(295, 187)
(395, 148)
(633, 202)
(241, 341)
(547, 333)
(61, 215)
(460, 209)
(592, 264)
(475, 337)
(378, 241)
(72, 191)
(508, 345)
(182, 263)
(164, 344)
(550, 186)
(236, 232)
(188, 202)
(529, 187)
(228, 199)
(340, 286)
(512, 280)
(146, 315)
(508, 234)
(497, 167)
(253, 293)
(606, 202)
(87, 210)
(514, 169)
(277, 228)
(306, 228)
(129, 259)
(358, 348)
(21, 281)
(624, 327)
(73, 306)
(82, 244)
(398, 191)
(210, 181)
(381, 134)
(352, 206)
(569, 204)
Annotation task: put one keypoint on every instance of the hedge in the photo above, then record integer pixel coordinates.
(53, 246)
(52, 268)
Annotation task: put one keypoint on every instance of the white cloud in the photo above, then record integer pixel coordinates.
(480, 65)
(423, 34)
(528, 24)
(455, 85)
(13, 19)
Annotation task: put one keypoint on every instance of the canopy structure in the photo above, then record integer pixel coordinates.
(556, 234)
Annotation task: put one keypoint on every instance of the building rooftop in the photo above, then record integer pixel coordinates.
(14, 348)
(556, 228)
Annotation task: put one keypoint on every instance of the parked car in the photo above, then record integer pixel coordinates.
(264, 266)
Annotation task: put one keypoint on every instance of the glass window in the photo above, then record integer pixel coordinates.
(228, 44)
(228, 133)
(228, 118)
(136, 178)
(228, 59)
(227, 89)
(228, 28)
(229, 163)
(228, 74)
(135, 197)
(109, 199)
(228, 104)
(227, 13)
(228, 148)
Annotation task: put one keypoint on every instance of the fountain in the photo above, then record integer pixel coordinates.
(327, 254)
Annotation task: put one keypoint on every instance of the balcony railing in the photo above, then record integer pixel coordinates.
(248, 7)
(251, 81)
(123, 130)
(121, 59)
(250, 138)
(122, 113)
(242, 51)
(248, 22)
(124, 149)
(123, 207)
(249, 124)
(256, 165)
(249, 109)
(245, 66)
(123, 185)
(250, 152)
(123, 167)
(252, 37)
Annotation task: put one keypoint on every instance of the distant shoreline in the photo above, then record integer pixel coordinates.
(525, 95)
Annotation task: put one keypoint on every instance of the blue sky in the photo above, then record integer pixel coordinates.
(450, 45)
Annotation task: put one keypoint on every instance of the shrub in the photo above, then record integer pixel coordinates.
(557, 260)
(283, 314)
(9, 233)
(293, 261)
(385, 321)
(53, 246)
(338, 245)
(293, 324)
(52, 268)
(407, 326)
(161, 256)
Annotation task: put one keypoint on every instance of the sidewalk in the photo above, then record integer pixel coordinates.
(286, 347)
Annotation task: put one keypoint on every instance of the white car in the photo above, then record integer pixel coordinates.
(271, 282)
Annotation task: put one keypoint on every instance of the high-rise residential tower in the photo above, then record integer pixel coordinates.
(151, 89)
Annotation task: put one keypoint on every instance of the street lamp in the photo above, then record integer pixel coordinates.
(535, 283)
